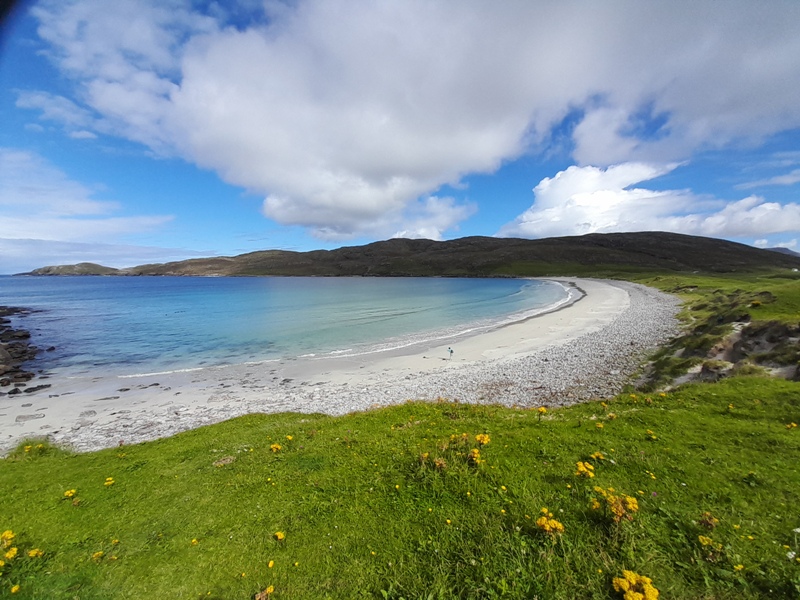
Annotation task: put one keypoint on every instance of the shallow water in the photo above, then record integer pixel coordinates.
(145, 324)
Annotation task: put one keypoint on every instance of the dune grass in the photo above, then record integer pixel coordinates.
(395, 503)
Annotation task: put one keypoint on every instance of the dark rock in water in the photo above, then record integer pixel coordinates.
(14, 392)
(51, 348)
(15, 349)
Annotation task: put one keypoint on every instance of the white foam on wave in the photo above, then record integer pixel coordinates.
(573, 294)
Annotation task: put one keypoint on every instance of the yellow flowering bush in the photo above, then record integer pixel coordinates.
(708, 520)
(548, 524)
(635, 587)
(7, 538)
(482, 439)
(474, 457)
(619, 506)
(712, 551)
(584, 469)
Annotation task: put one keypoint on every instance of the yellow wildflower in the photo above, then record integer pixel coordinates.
(275, 447)
(738, 567)
(14, 588)
(548, 524)
(635, 586)
(28, 448)
(70, 493)
(194, 542)
(584, 469)
(620, 506)
(599, 425)
(35, 553)
(98, 555)
(474, 457)
(482, 439)
(705, 540)
(6, 538)
(270, 564)
(12, 553)
(279, 535)
(109, 481)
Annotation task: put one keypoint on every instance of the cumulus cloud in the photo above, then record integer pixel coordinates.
(39, 201)
(341, 114)
(583, 200)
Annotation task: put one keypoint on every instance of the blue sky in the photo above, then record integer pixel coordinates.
(147, 131)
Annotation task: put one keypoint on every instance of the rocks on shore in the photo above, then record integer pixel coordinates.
(15, 350)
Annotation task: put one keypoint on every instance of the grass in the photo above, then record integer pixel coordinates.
(366, 513)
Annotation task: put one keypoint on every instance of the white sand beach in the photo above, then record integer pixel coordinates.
(586, 350)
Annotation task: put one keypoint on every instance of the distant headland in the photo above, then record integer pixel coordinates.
(477, 257)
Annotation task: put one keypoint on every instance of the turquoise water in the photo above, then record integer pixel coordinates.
(154, 324)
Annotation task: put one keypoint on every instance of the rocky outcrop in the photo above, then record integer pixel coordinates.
(15, 351)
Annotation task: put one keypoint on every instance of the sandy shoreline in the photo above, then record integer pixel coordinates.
(586, 350)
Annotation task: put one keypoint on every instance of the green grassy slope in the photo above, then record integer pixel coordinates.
(388, 504)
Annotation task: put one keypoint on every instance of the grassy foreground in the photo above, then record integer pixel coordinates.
(700, 493)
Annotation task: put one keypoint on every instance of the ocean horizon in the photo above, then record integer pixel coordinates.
(134, 325)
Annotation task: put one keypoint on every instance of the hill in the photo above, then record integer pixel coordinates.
(481, 257)
(784, 251)
(84, 268)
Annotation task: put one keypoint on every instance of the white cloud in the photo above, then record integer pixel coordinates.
(341, 114)
(39, 201)
(56, 108)
(786, 179)
(433, 217)
(590, 199)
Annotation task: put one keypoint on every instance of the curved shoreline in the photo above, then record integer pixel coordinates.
(588, 349)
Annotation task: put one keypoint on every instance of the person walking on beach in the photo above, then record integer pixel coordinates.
(450, 351)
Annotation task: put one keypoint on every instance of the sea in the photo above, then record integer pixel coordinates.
(142, 325)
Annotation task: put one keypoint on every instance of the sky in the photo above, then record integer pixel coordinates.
(141, 131)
